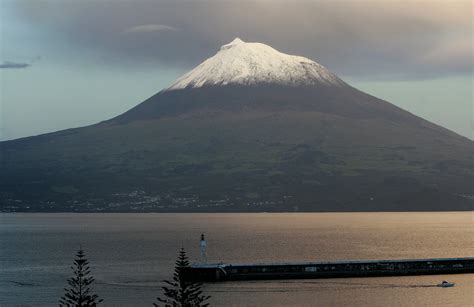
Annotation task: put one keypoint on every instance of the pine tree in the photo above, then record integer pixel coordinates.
(180, 292)
(79, 292)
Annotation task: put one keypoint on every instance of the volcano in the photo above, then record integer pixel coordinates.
(249, 129)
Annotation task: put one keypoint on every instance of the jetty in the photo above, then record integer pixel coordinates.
(330, 269)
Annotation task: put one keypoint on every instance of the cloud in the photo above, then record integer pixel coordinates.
(454, 53)
(149, 28)
(367, 38)
(13, 65)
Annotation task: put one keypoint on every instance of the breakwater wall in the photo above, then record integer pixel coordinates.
(331, 269)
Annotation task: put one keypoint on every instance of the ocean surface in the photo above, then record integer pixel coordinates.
(131, 253)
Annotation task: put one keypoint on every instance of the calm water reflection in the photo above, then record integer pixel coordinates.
(131, 253)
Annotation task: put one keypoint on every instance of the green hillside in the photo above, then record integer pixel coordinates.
(205, 157)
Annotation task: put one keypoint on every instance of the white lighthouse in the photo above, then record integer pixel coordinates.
(202, 247)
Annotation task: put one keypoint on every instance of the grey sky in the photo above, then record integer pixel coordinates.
(371, 43)
(388, 38)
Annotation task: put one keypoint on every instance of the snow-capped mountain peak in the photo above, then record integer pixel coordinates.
(242, 63)
(236, 41)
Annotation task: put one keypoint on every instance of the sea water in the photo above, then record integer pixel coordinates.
(130, 254)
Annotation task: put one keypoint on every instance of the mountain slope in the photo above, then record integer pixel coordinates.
(239, 133)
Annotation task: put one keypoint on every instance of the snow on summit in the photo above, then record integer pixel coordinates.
(242, 63)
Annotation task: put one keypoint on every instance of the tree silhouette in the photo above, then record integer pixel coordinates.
(79, 292)
(180, 292)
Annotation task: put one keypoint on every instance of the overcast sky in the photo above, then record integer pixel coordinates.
(66, 63)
